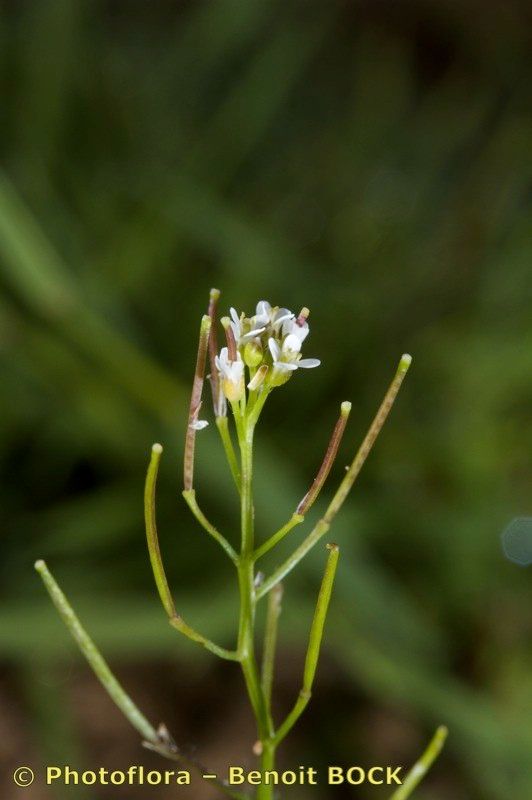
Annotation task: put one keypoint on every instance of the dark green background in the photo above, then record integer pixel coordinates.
(371, 160)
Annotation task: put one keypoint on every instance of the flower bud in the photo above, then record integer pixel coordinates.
(253, 354)
(258, 379)
(231, 375)
(233, 390)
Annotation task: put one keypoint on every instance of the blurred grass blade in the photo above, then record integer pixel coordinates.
(40, 277)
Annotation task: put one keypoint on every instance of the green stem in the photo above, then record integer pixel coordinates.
(95, 658)
(422, 765)
(295, 519)
(346, 484)
(179, 624)
(314, 645)
(267, 763)
(287, 566)
(223, 428)
(270, 643)
(190, 499)
(246, 576)
(154, 739)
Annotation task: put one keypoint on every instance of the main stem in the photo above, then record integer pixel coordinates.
(246, 634)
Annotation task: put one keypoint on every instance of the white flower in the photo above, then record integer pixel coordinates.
(267, 316)
(263, 313)
(287, 358)
(231, 374)
(296, 327)
(239, 328)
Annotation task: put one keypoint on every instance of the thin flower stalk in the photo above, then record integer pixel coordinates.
(222, 424)
(422, 765)
(343, 490)
(270, 642)
(295, 519)
(314, 645)
(190, 499)
(159, 574)
(311, 496)
(180, 625)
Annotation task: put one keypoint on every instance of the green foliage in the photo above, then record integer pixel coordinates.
(369, 163)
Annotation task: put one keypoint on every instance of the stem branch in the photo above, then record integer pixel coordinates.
(345, 486)
(422, 765)
(314, 645)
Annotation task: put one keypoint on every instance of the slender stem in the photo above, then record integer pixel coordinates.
(179, 624)
(369, 440)
(332, 450)
(157, 740)
(222, 424)
(270, 643)
(94, 657)
(195, 403)
(156, 561)
(311, 496)
(267, 764)
(246, 642)
(190, 499)
(314, 645)
(247, 514)
(295, 519)
(345, 486)
(258, 406)
(151, 532)
(288, 565)
(422, 765)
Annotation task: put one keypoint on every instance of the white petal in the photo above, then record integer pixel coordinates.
(301, 331)
(263, 308)
(291, 345)
(281, 316)
(234, 316)
(198, 424)
(308, 363)
(275, 350)
(247, 337)
(286, 366)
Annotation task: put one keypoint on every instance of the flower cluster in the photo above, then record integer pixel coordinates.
(268, 344)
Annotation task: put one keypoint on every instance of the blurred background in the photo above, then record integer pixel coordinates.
(371, 160)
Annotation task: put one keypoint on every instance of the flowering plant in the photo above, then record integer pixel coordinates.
(261, 353)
